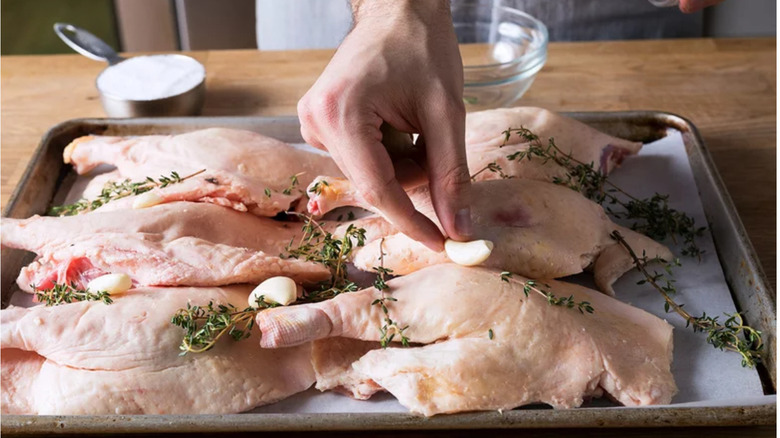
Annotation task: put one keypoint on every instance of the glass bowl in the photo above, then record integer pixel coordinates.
(502, 49)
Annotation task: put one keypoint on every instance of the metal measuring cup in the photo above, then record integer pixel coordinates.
(186, 103)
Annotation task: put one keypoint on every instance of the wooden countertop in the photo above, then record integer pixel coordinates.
(727, 87)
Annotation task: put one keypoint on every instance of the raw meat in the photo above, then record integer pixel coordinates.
(332, 359)
(485, 143)
(240, 166)
(123, 358)
(176, 244)
(540, 230)
(538, 352)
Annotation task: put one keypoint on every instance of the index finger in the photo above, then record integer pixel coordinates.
(366, 162)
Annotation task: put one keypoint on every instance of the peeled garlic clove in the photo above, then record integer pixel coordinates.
(468, 253)
(146, 199)
(275, 290)
(111, 283)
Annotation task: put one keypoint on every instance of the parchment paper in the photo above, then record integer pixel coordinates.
(705, 376)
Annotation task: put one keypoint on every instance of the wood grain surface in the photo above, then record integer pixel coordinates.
(726, 87)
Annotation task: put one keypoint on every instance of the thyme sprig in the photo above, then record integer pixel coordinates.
(62, 293)
(553, 300)
(492, 167)
(390, 328)
(320, 246)
(204, 325)
(732, 335)
(293, 183)
(652, 216)
(118, 190)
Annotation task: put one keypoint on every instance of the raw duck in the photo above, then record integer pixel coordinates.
(123, 358)
(175, 244)
(240, 166)
(540, 230)
(538, 352)
(486, 143)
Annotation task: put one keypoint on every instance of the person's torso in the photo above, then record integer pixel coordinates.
(311, 24)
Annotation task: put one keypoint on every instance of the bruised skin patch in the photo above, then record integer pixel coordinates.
(511, 217)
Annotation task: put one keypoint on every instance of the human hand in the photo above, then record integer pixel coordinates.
(689, 6)
(399, 65)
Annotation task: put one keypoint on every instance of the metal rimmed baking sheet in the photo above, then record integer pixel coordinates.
(47, 180)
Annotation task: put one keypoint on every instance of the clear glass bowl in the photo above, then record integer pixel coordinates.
(502, 48)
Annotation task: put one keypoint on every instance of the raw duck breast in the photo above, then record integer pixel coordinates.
(244, 170)
(479, 343)
(123, 358)
(539, 229)
(175, 244)
(486, 143)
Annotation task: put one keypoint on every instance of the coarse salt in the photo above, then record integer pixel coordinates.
(151, 77)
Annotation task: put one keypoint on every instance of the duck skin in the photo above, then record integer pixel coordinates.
(479, 343)
(123, 358)
(540, 230)
(175, 244)
(243, 170)
(486, 143)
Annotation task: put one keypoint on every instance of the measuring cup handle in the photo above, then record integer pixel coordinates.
(85, 43)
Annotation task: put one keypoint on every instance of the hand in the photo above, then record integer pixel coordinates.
(399, 65)
(689, 6)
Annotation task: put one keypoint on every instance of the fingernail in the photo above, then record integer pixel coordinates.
(463, 222)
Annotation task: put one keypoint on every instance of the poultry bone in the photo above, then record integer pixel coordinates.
(176, 244)
(244, 170)
(485, 344)
(123, 358)
(540, 230)
(486, 143)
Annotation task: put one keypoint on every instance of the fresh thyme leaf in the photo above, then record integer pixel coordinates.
(204, 325)
(732, 335)
(267, 192)
(318, 186)
(653, 217)
(390, 328)
(68, 293)
(490, 334)
(113, 191)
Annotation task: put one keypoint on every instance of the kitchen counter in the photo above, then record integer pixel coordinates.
(726, 87)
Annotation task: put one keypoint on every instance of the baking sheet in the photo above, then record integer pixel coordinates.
(704, 375)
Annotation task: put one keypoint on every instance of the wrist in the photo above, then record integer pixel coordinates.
(384, 9)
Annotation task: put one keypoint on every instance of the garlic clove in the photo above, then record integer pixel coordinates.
(146, 200)
(111, 283)
(468, 253)
(275, 290)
